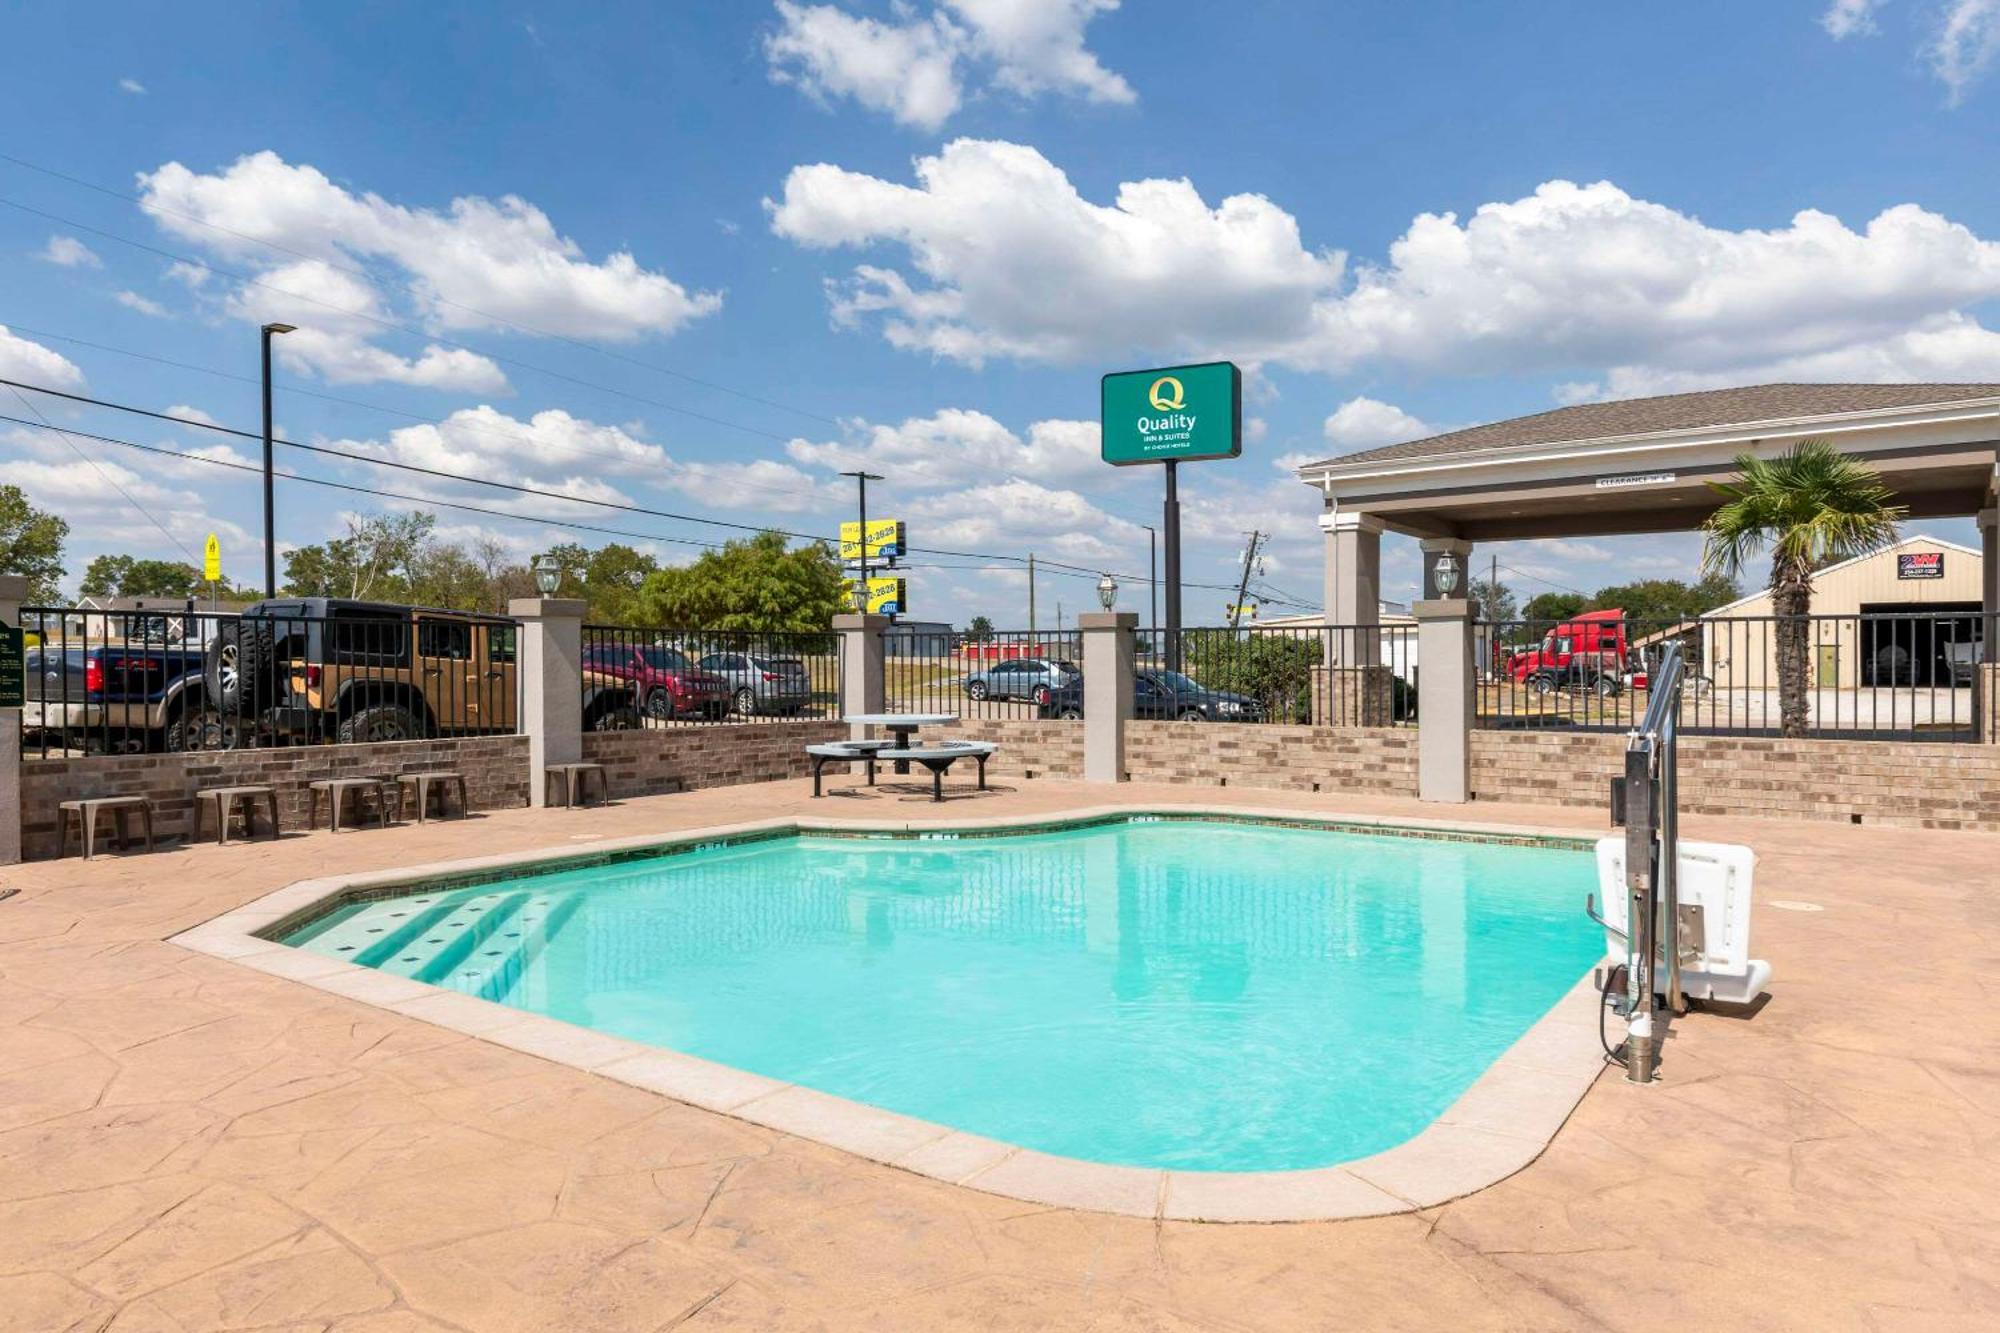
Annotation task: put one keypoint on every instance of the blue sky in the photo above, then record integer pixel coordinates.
(701, 257)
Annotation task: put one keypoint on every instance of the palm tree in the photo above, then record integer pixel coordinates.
(1811, 505)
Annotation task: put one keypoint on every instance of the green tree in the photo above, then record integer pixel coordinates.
(612, 579)
(1655, 603)
(1553, 606)
(1274, 669)
(754, 584)
(131, 576)
(978, 630)
(31, 544)
(1809, 506)
(1492, 602)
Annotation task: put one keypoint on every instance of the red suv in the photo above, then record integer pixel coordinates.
(668, 683)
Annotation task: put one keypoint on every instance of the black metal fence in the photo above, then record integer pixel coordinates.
(1871, 676)
(676, 678)
(1329, 675)
(124, 682)
(996, 674)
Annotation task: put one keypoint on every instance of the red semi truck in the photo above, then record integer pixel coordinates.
(1585, 650)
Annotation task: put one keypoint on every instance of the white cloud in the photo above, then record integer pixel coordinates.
(1019, 515)
(32, 363)
(950, 446)
(1953, 348)
(1005, 258)
(131, 300)
(1847, 18)
(132, 86)
(333, 326)
(1966, 42)
(575, 457)
(1009, 260)
(482, 264)
(69, 252)
(1364, 423)
(906, 69)
(915, 67)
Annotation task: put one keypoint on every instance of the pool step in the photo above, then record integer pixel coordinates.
(479, 944)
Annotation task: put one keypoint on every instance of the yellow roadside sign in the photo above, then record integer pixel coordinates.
(211, 559)
(886, 596)
(885, 539)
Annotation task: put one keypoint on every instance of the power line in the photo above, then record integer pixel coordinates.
(391, 324)
(106, 477)
(456, 425)
(649, 512)
(363, 273)
(358, 490)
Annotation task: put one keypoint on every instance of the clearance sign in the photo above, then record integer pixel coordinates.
(1175, 414)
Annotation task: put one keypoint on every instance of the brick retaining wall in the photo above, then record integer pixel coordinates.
(1880, 782)
(495, 768)
(652, 760)
(1029, 748)
(1302, 758)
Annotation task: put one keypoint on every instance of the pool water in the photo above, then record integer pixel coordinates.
(1201, 995)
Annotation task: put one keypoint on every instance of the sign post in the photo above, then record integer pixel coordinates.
(1172, 415)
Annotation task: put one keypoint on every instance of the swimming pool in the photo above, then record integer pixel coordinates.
(1189, 993)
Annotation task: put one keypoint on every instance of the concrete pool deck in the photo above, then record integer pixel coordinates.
(189, 1143)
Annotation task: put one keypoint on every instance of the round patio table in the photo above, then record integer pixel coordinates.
(902, 726)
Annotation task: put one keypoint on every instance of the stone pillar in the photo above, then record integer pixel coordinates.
(13, 592)
(863, 680)
(551, 684)
(1107, 691)
(1989, 579)
(1353, 584)
(1445, 684)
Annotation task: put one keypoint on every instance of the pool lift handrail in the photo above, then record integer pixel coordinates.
(1651, 815)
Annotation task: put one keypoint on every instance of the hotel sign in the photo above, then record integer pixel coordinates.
(1175, 414)
(13, 667)
(1920, 565)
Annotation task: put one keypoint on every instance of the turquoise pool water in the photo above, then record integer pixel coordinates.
(1197, 995)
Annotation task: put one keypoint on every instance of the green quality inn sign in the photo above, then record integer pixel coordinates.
(1175, 414)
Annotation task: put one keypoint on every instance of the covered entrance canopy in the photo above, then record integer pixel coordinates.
(1642, 465)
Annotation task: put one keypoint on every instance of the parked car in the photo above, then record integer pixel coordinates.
(317, 668)
(141, 692)
(759, 683)
(666, 681)
(1163, 696)
(1033, 678)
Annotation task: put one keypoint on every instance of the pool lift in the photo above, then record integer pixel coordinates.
(1690, 900)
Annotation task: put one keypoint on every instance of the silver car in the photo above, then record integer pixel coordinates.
(1032, 678)
(761, 684)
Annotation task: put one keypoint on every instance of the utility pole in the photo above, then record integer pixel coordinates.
(1243, 586)
(861, 480)
(1031, 599)
(270, 521)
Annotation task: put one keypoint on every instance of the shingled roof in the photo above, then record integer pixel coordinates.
(1674, 411)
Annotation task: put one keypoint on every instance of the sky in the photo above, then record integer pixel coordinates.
(699, 259)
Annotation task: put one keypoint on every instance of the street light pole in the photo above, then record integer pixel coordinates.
(270, 535)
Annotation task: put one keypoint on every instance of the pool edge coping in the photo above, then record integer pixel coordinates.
(1495, 1128)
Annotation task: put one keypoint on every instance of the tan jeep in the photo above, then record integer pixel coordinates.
(319, 669)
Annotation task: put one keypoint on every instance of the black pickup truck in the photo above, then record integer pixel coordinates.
(139, 691)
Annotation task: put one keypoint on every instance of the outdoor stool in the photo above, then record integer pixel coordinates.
(850, 752)
(226, 800)
(939, 759)
(336, 790)
(575, 779)
(86, 812)
(441, 782)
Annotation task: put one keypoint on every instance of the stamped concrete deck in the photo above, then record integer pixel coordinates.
(186, 1143)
